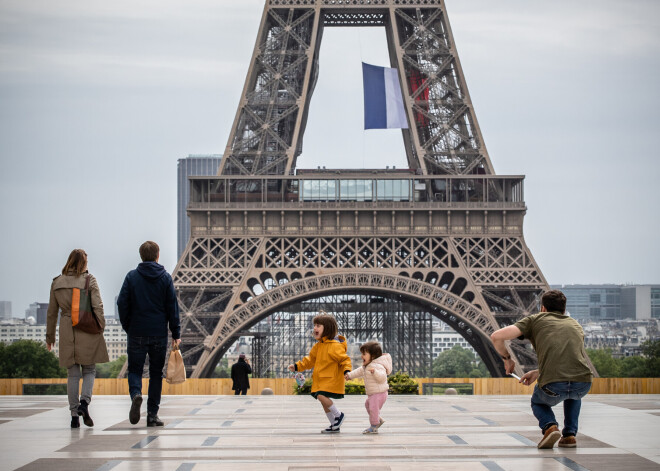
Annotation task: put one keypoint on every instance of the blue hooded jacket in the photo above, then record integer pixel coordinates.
(147, 302)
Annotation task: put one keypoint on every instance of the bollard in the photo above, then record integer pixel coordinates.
(450, 392)
(267, 392)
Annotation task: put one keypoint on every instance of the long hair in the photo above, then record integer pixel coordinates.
(77, 262)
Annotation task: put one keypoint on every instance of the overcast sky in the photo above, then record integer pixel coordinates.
(99, 99)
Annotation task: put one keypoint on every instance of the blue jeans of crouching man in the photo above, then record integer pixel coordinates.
(138, 349)
(551, 394)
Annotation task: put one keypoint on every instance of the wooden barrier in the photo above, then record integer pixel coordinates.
(284, 386)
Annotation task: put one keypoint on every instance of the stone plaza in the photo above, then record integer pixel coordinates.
(282, 433)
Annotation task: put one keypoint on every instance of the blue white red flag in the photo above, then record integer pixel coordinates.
(383, 102)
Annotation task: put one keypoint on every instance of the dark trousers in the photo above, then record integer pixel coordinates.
(138, 349)
(241, 392)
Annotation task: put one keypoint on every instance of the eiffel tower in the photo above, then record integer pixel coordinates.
(446, 234)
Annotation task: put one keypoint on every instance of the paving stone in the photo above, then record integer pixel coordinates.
(282, 433)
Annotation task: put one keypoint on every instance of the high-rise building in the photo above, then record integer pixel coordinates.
(193, 165)
(612, 302)
(643, 300)
(38, 311)
(5, 309)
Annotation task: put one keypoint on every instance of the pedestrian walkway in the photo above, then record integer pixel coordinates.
(282, 433)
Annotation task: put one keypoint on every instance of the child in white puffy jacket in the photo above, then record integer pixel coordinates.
(376, 365)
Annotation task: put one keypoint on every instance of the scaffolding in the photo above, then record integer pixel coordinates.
(405, 331)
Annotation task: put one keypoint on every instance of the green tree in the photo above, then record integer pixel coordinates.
(29, 359)
(605, 364)
(222, 369)
(458, 363)
(651, 352)
(632, 367)
(111, 369)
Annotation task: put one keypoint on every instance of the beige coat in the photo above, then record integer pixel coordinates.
(75, 346)
(375, 382)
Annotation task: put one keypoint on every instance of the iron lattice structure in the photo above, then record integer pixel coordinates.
(444, 235)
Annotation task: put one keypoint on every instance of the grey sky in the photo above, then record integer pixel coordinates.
(99, 99)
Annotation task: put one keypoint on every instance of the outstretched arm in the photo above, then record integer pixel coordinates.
(308, 362)
(354, 374)
(499, 337)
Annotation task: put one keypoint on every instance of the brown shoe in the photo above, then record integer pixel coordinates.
(567, 442)
(550, 437)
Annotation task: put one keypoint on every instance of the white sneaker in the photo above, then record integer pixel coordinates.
(331, 429)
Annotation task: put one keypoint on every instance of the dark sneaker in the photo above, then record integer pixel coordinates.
(154, 421)
(134, 414)
(75, 422)
(338, 421)
(83, 409)
(567, 442)
(331, 429)
(550, 437)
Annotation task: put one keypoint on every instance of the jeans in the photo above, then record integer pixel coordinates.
(73, 385)
(374, 404)
(138, 349)
(551, 394)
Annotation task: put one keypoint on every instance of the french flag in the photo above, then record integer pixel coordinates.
(383, 103)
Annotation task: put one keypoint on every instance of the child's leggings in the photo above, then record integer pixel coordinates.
(374, 404)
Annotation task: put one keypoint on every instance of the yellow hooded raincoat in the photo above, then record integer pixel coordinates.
(329, 359)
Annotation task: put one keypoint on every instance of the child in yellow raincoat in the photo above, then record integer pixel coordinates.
(330, 362)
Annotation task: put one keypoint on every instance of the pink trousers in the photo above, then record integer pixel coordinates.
(374, 404)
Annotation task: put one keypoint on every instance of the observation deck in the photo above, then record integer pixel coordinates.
(382, 201)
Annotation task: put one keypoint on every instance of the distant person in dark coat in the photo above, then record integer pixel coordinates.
(239, 374)
(147, 306)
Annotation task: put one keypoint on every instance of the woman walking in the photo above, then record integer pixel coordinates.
(79, 351)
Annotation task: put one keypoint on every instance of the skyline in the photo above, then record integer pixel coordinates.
(100, 101)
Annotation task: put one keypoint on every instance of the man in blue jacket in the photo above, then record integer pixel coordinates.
(147, 305)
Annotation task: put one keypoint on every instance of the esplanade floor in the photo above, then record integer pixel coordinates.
(278, 433)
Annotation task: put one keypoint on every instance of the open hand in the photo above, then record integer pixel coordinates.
(292, 367)
(529, 377)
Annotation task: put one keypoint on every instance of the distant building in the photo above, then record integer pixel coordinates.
(643, 300)
(612, 302)
(19, 329)
(5, 309)
(38, 312)
(115, 337)
(444, 338)
(193, 165)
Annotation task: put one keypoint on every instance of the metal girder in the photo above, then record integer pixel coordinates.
(267, 134)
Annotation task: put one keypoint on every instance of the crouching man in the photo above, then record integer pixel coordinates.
(563, 375)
